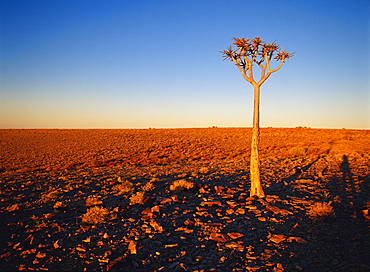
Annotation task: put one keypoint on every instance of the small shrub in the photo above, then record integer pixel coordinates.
(42, 223)
(137, 198)
(320, 211)
(95, 215)
(203, 170)
(13, 207)
(328, 198)
(124, 187)
(49, 195)
(93, 201)
(337, 199)
(298, 151)
(179, 185)
(148, 187)
(94, 163)
(347, 135)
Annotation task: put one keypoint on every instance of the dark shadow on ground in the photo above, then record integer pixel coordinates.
(348, 233)
(339, 244)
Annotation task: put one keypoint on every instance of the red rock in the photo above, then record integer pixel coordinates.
(201, 213)
(211, 203)
(296, 239)
(366, 214)
(186, 230)
(235, 245)
(228, 196)
(231, 204)
(78, 248)
(203, 191)
(172, 245)
(156, 226)
(277, 210)
(279, 268)
(218, 189)
(155, 209)
(218, 237)
(189, 222)
(230, 191)
(13, 208)
(147, 211)
(132, 247)
(48, 215)
(235, 235)
(229, 211)
(166, 200)
(87, 240)
(276, 238)
(59, 205)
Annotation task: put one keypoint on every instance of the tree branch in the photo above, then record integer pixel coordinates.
(248, 52)
(243, 71)
(263, 79)
(263, 72)
(280, 65)
(251, 73)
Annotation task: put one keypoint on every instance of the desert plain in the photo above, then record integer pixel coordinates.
(178, 200)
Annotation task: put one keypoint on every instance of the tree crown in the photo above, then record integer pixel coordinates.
(249, 51)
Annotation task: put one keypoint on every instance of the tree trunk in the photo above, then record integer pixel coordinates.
(256, 187)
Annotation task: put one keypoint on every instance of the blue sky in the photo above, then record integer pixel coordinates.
(140, 64)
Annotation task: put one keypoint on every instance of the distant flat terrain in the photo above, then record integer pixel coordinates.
(52, 149)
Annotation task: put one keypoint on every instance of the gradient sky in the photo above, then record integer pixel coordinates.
(156, 63)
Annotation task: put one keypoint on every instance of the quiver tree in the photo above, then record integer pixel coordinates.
(249, 53)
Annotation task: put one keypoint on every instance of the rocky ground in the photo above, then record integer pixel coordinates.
(52, 180)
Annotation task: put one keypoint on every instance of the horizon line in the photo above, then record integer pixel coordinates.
(190, 127)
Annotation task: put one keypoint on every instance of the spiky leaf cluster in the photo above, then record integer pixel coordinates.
(244, 52)
(254, 49)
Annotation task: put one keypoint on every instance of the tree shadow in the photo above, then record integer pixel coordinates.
(298, 171)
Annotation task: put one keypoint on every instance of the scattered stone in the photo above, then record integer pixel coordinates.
(235, 235)
(296, 239)
(277, 238)
(215, 227)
